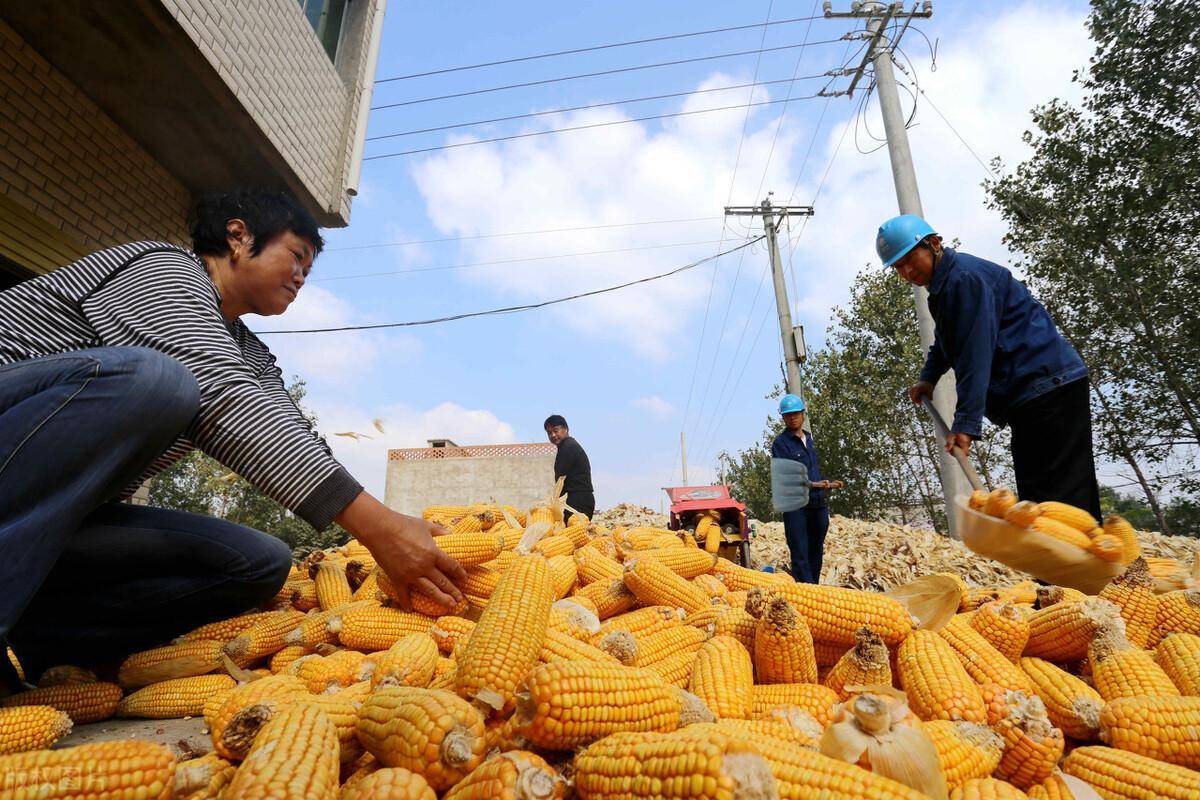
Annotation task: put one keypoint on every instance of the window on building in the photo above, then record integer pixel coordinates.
(325, 16)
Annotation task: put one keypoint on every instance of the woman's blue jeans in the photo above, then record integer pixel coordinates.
(84, 579)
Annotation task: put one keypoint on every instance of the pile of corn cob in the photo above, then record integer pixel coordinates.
(628, 663)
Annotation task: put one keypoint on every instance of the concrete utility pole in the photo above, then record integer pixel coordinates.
(908, 197)
(683, 455)
(771, 215)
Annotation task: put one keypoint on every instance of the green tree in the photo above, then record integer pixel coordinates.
(201, 485)
(1104, 217)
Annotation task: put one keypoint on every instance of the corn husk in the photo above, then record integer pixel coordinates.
(876, 730)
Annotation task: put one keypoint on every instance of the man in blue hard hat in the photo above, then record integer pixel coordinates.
(804, 528)
(1010, 363)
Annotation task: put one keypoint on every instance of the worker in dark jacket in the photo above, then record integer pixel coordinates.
(572, 464)
(1010, 364)
(804, 528)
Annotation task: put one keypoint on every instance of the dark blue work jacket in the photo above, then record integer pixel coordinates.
(789, 445)
(1000, 341)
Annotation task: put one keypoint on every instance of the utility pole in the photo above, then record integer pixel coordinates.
(908, 197)
(683, 454)
(771, 215)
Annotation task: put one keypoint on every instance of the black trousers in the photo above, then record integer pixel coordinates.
(1052, 448)
(583, 502)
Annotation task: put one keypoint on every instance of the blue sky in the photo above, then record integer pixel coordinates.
(620, 366)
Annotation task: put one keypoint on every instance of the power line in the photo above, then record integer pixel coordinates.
(601, 73)
(586, 127)
(515, 309)
(591, 49)
(534, 114)
(518, 233)
(507, 261)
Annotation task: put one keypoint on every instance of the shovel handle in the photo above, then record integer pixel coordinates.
(960, 456)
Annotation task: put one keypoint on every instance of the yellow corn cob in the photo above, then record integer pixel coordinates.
(390, 783)
(1130, 549)
(294, 757)
(203, 778)
(814, 698)
(82, 702)
(966, 750)
(593, 565)
(411, 661)
(998, 502)
(374, 628)
(173, 661)
(368, 589)
(315, 628)
(575, 619)
(675, 670)
(655, 584)
(515, 775)
(611, 597)
(303, 594)
(654, 647)
(1107, 547)
(834, 614)
(829, 654)
(648, 538)
(341, 708)
(783, 646)
(739, 579)
(566, 704)
(262, 639)
(444, 512)
(66, 673)
(1121, 670)
(977, 596)
(180, 697)
(1003, 626)
(431, 732)
(723, 676)
(30, 727)
(1133, 593)
(247, 708)
(1178, 612)
(449, 631)
(1159, 727)
(1032, 745)
(552, 546)
(1119, 775)
(705, 617)
(643, 621)
(865, 664)
(1024, 592)
(711, 585)
(579, 534)
(332, 585)
(605, 545)
(330, 673)
(225, 629)
(445, 673)
(281, 660)
(1022, 514)
(470, 549)
(1053, 788)
(1061, 531)
(937, 684)
(560, 646)
(563, 575)
(987, 789)
(1062, 632)
(1077, 518)
(1179, 657)
(104, 770)
(1052, 595)
(1070, 703)
(977, 500)
(790, 728)
(686, 562)
(984, 663)
(507, 640)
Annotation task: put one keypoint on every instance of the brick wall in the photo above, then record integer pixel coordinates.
(66, 163)
(268, 55)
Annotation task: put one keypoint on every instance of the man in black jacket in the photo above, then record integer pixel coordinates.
(572, 463)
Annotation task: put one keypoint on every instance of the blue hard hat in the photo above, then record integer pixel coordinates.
(899, 235)
(790, 403)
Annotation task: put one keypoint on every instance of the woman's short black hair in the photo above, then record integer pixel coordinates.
(266, 212)
(554, 419)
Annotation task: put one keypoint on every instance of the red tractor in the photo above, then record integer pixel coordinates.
(714, 517)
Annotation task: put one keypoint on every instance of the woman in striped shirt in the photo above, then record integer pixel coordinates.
(116, 365)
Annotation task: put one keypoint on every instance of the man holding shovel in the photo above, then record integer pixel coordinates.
(1010, 364)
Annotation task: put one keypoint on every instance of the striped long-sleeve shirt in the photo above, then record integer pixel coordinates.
(156, 295)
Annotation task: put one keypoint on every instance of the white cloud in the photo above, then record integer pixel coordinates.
(655, 405)
(366, 459)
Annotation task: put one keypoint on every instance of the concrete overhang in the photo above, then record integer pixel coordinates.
(135, 60)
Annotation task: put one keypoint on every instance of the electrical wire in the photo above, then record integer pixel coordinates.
(507, 261)
(588, 126)
(591, 49)
(518, 233)
(514, 309)
(535, 114)
(600, 73)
